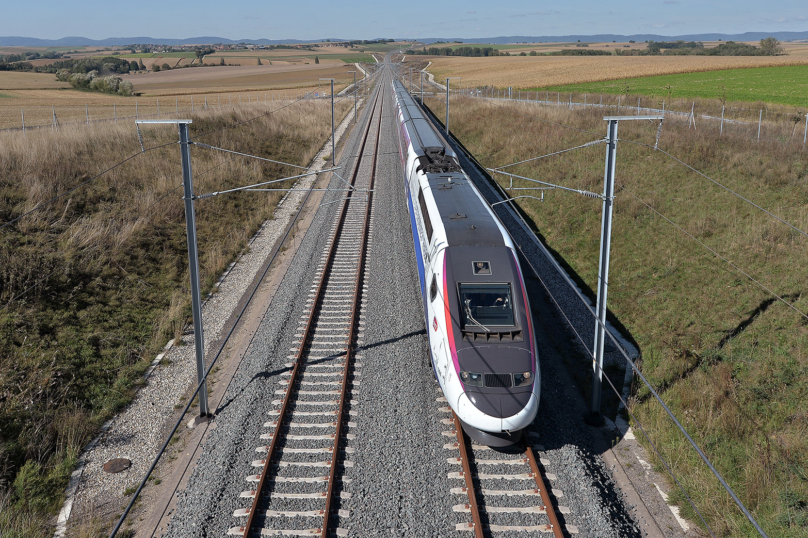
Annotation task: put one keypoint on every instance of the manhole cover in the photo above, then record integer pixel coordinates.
(117, 465)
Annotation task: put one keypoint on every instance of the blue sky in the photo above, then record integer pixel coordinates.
(366, 19)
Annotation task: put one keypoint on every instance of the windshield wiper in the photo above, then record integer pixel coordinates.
(471, 318)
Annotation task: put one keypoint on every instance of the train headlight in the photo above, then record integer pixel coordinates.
(471, 379)
(525, 378)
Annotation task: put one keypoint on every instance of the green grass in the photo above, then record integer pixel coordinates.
(786, 85)
(6, 96)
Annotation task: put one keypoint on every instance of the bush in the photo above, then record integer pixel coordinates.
(92, 82)
(156, 68)
(165, 67)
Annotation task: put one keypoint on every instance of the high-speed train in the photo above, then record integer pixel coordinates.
(481, 336)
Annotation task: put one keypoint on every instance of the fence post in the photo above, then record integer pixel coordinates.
(584, 100)
(618, 103)
(53, 128)
(230, 97)
(558, 99)
(721, 131)
(206, 102)
(663, 107)
(805, 132)
(638, 105)
(23, 120)
(692, 118)
(760, 119)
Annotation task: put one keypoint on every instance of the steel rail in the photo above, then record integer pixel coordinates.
(542, 486)
(349, 353)
(472, 493)
(271, 449)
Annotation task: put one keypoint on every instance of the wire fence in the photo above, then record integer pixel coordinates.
(761, 123)
(37, 117)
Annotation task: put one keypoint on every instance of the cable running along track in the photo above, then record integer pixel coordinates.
(307, 438)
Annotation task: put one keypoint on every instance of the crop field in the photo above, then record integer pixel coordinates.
(729, 358)
(158, 55)
(175, 90)
(17, 80)
(540, 72)
(786, 85)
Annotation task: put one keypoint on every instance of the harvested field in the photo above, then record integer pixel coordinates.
(234, 78)
(540, 72)
(15, 80)
(175, 90)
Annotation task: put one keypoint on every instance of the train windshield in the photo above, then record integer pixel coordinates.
(484, 305)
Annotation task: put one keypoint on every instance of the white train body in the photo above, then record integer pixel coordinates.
(476, 309)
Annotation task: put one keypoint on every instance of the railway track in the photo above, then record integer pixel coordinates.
(489, 477)
(299, 489)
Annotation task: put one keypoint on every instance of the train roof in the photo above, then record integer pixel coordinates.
(465, 217)
(434, 153)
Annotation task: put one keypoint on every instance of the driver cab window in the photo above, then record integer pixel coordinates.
(433, 289)
(485, 305)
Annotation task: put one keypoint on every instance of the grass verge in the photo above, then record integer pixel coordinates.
(92, 286)
(729, 360)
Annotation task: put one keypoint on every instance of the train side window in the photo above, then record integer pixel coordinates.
(425, 214)
(433, 289)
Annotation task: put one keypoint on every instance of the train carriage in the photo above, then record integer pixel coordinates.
(477, 313)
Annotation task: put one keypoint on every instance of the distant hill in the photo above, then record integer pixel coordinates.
(17, 41)
(600, 38)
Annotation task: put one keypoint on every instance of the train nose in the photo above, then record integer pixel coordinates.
(499, 405)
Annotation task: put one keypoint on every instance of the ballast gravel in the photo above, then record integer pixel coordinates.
(400, 483)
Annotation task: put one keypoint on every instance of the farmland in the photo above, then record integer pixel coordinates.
(785, 85)
(540, 72)
(37, 93)
(728, 357)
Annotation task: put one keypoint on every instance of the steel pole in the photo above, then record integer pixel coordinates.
(333, 138)
(760, 119)
(23, 120)
(447, 106)
(193, 267)
(603, 272)
(805, 131)
(355, 97)
(721, 130)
